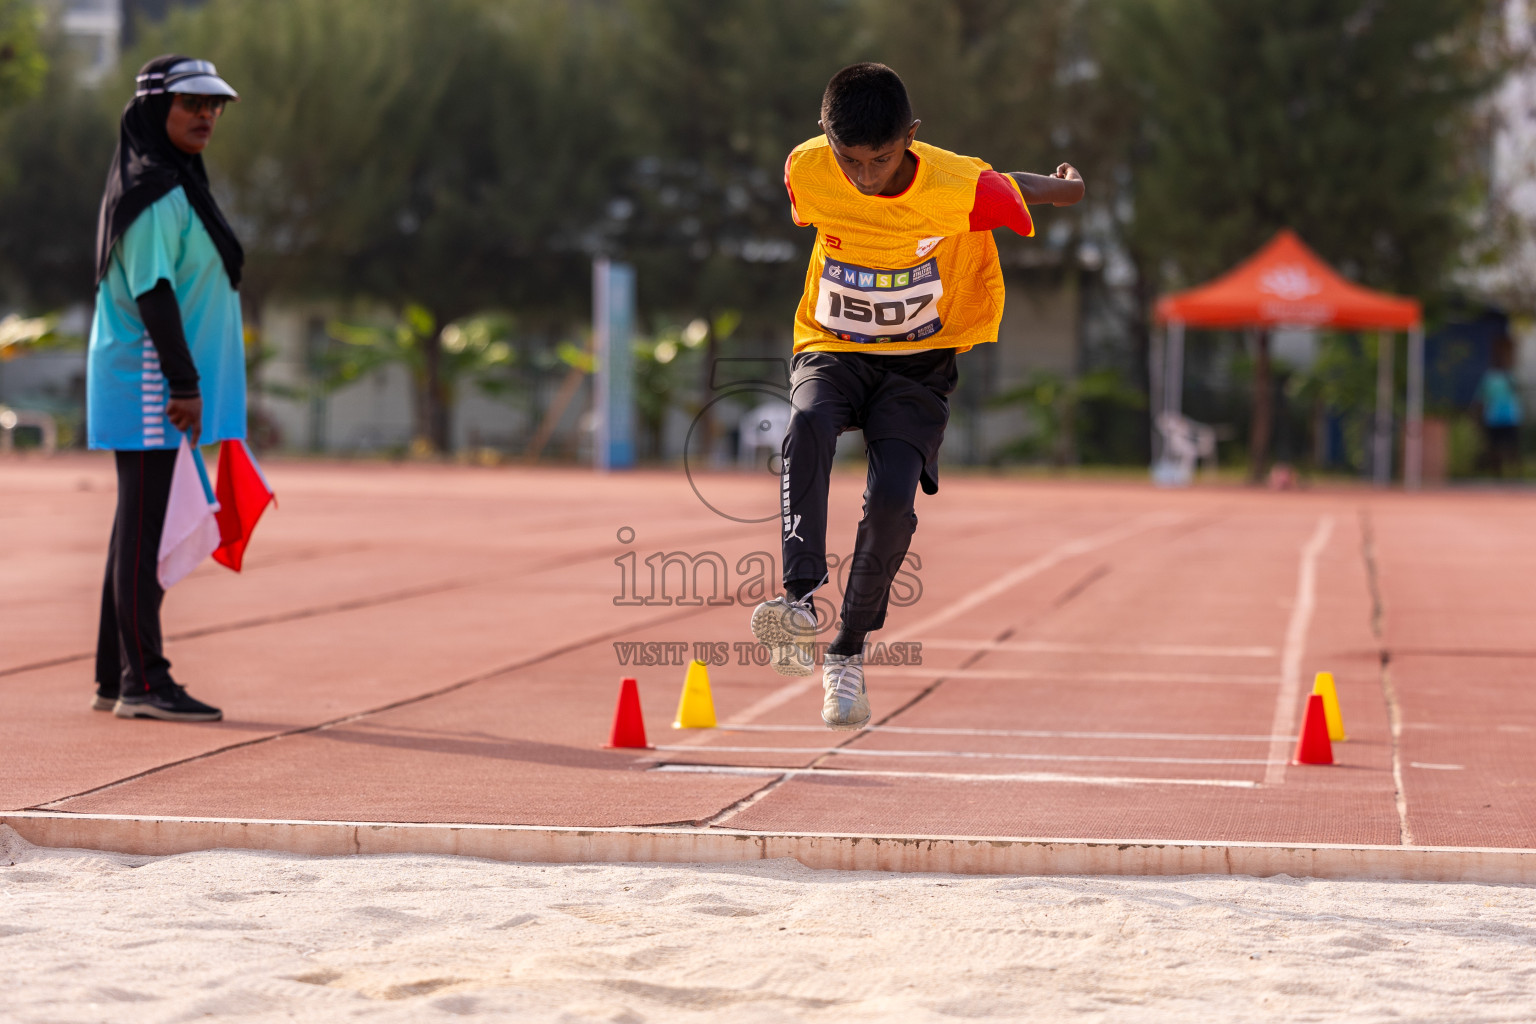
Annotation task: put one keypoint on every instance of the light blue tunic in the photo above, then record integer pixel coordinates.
(125, 390)
(1501, 403)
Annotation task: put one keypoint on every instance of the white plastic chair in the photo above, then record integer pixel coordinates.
(1185, 444)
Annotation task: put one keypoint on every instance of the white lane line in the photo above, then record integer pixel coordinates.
(1055, 647)
(1051, 558)
(783, 695)
(1024, 675)
(1045, 734)
(1092, 780)
(1436, 767)
(1395, 717)
(1295, 647)
(976, 755)
(778, 698)
(1054, 556)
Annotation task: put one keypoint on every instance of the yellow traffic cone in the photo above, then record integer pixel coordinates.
(696, 709)
(1323, 687)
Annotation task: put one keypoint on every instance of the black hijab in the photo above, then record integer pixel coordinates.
(146, 166)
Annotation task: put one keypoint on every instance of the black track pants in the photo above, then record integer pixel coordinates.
(901, 404)
(129, 658)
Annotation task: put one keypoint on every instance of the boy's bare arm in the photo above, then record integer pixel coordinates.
(1062, 188)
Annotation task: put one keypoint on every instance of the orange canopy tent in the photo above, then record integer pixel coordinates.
(1286, 284)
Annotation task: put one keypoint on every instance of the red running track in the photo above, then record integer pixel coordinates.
(436, 644)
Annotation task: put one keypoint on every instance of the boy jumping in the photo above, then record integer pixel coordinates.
(904, 275)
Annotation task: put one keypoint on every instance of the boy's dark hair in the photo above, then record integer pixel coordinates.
(865, 105)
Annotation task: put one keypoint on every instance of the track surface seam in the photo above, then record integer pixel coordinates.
(1069, 550)
(1388, 691)
(358, 716)
(819, 763)
(338, 607)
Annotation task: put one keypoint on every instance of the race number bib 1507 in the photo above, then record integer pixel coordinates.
(869, 306)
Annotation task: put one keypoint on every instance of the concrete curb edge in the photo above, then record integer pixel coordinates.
(982, 855)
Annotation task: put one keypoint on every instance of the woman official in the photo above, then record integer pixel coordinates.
(166, 359)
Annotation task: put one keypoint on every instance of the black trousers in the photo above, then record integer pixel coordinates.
(1502, 449)
(129, 655)
(902, 405)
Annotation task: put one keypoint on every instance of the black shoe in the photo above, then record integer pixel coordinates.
(105, 700)
(171, 704)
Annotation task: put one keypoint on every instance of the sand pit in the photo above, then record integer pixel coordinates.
(260, 937)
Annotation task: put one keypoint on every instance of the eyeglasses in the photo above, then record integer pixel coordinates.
(213, 105)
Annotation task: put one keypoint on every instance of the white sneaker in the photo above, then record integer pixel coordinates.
(788, 629)
(846, 705)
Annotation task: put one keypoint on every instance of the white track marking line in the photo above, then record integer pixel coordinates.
(1049, 559)
(1034, 567)
(1055, 647)
(1093, 780)
(1395, 717)
(778, 698)
(1043, 734)
(1294, 648)
(1022, 675)
(977, 755)
(783, 695)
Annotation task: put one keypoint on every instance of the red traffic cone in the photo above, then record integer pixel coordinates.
(1313, 747)
(629, 725)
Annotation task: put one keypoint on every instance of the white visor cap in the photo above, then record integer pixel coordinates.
(192, 77)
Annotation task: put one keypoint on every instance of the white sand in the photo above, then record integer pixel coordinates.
(270, 937)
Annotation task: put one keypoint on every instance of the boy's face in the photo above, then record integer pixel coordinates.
(874, 169)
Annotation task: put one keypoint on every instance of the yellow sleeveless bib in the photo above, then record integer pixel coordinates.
(892, 273)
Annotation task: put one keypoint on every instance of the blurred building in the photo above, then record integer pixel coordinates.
(94, 32)
(97, 31)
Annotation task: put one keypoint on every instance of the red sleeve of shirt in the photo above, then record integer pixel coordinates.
(794, 212)
(1000, 204)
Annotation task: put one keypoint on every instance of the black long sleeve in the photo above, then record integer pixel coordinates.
(162, 318)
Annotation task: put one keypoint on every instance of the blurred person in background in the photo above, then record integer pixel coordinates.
(166, 359)
(1498, 406)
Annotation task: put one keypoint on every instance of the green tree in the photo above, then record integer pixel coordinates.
(22, 63)
(467, 351)
(664, 364)
(1342, 379)
(1351, 121)
(451, 154)
(714, 99)
(1019, 83)
(988, 78)
(54, 151)
(1053, 405)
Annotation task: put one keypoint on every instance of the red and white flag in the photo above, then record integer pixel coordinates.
(243, 495)
(191, 531)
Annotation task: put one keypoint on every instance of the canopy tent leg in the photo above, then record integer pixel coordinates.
(1156, 345)
(1262, 431)
(1381, 450)
(1173, 381)
(1413, 429)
